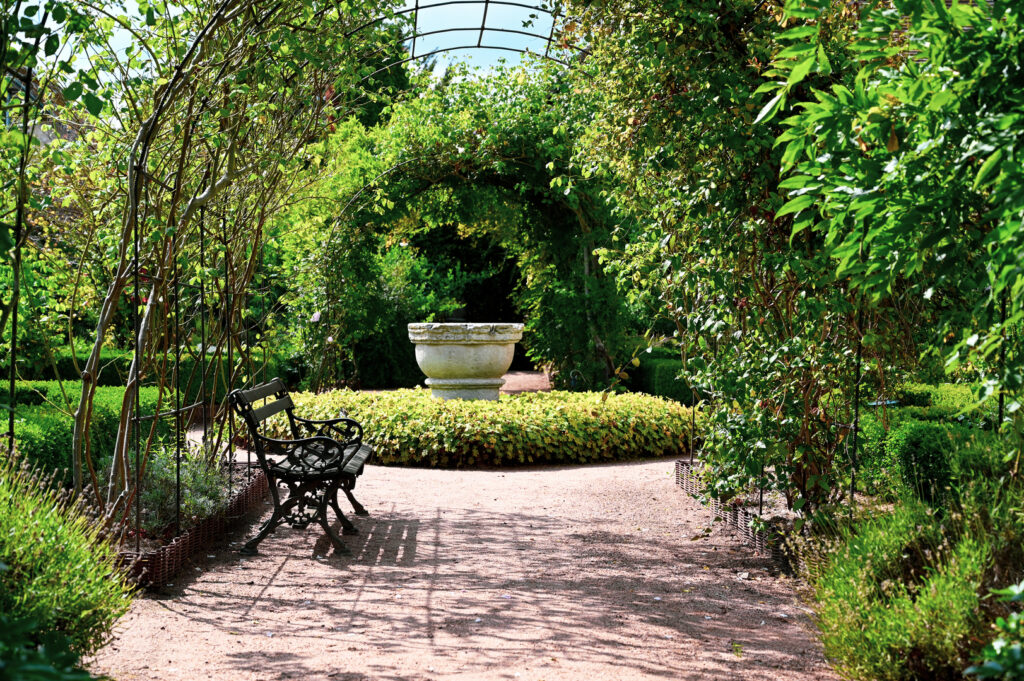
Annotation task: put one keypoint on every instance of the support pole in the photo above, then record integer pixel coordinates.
(1002, 360)
(856, 403)
(177, 403)
(136, 325)
(19, 222)
(228, 335)
(202, 325)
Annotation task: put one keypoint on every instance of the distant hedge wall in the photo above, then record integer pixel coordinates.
(657, 376)
(114, 365)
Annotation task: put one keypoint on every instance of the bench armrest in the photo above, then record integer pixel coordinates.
(345, 430)
(309, 459)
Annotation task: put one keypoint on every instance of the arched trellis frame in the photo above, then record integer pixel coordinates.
(212, 204)
(415, 35)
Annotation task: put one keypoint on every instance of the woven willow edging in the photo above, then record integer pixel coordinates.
(767, 543)
(155, 568)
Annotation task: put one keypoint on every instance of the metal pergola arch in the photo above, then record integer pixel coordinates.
(185, 294)
(420, 5)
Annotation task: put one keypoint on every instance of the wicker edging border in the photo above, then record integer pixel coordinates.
(766, 543)
(155, 568)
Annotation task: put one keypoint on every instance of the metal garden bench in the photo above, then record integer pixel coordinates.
(321, 458)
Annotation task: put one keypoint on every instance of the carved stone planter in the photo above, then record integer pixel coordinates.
(465, 361)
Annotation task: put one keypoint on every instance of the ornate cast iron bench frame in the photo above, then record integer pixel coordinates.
(314, 467)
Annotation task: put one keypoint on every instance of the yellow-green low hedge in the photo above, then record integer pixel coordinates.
(409, 428)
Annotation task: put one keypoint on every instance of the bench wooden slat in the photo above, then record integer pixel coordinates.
(271, 387)
(271, 408)
(358, 459)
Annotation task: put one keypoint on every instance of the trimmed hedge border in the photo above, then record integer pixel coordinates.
(409, 428)
(44, 431)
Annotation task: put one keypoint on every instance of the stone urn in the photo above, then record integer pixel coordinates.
(465, 361)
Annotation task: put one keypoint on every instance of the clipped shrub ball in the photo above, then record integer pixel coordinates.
(55, 570)
(409, 428)
(922, 450)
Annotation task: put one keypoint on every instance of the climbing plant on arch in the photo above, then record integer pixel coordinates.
(193, 137)
(204, 125)
(492, 155)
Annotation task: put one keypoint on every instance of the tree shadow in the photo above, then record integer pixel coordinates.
(514, 587)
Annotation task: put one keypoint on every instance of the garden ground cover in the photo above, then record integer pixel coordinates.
(538, 573)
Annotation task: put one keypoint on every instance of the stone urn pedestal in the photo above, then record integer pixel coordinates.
(465, 361)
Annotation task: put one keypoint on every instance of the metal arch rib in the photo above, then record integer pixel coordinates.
(483, 23)
(416, 26)
(480, 42)
(419, 7)
(453, 49)
(414, 36)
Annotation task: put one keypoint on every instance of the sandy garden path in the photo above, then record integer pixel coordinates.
(581, 573)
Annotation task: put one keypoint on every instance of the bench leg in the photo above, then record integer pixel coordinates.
(328, 496)
(347, 489)
(278, 517)
(250, 547)
(346, 525)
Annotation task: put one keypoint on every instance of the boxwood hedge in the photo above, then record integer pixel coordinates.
(409, 428)
(44, 427)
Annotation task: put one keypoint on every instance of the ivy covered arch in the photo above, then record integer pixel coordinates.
(494, 158)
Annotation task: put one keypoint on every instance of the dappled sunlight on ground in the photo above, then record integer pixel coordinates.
(569, 573)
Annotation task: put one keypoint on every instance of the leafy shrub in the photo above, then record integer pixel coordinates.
(1003, 658)
(203, 489)
(943, 402)
(923, 452)
(914, 395)
(658, 376)
(978, 455)
(408, 427)
(26, 654)
(59, 573)
(878, 471)
(901, 596)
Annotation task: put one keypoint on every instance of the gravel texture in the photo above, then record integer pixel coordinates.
(540, 574)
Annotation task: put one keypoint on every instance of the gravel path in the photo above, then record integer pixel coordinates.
(571, 573)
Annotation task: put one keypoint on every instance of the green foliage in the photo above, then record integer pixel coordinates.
(27, 654)
(408, 427)
(1003, 658)
(950, 396)
(978, 456)
(923, 452)
(657, 376)
(68, 363)
(482, 161)
(900, 596)
(44, 431)
(887, 611)
(914, 395)
(878, 471)
(906, 165)
(58, 572)
(765, 331)
(204, 486)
